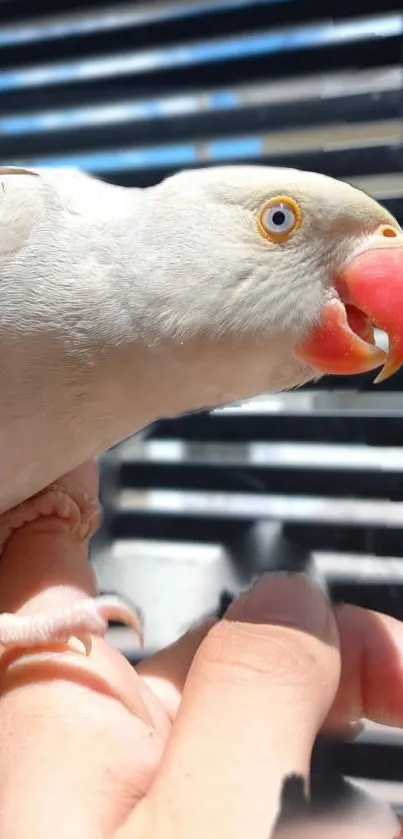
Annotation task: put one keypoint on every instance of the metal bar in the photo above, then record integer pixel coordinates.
(288, 479)
(257, 55)
(320, 427)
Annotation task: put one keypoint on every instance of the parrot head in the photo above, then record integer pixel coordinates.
(220, 282)
(120, 306)
(258, 251)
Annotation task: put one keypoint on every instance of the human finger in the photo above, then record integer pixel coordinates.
(258, 690)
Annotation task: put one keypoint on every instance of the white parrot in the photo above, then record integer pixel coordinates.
(119, 306)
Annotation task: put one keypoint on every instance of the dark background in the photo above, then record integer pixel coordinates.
(313, 479)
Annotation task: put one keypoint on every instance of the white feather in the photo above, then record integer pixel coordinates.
(121, 305)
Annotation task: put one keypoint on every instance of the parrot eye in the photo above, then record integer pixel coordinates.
(279, 218)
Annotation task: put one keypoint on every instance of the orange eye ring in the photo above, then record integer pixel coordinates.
(388, 231)
(279, 218)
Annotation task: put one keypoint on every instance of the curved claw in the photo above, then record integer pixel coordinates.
(80, 620)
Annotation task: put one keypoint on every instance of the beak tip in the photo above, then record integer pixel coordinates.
(381, 377)
(389, 369)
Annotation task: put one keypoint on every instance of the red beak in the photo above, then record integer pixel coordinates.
(370, 290)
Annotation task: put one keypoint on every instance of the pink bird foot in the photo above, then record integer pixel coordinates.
(79, 620)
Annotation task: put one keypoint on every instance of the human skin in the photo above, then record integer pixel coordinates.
(198, 740)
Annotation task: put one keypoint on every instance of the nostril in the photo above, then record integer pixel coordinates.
(388, 231)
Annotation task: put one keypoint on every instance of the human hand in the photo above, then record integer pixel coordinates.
(196, 743)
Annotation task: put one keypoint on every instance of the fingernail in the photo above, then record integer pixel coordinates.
(282, 598)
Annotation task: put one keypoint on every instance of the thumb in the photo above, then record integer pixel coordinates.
(260, 686)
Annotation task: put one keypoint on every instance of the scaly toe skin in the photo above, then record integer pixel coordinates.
(81, 620)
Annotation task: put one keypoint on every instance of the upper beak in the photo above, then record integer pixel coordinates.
(369, 293)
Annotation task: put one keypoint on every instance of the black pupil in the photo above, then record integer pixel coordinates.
(278, 218)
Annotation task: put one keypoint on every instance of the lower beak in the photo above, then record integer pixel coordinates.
(371, 293)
